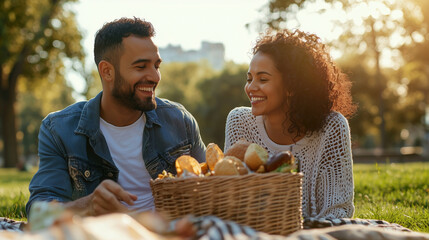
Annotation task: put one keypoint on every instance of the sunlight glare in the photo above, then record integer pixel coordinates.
(391, 58)
(396, 14)
(378, 25)
(359, 12)
(417, 37)
(396, 40)
(377, 9)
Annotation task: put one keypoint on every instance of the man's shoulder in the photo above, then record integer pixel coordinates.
(74, 109)
(164, 104)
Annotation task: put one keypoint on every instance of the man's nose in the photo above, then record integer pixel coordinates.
(154, 75)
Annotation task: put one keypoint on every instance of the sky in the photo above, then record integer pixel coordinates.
(186, 23)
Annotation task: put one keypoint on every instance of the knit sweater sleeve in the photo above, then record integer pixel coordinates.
(336, 189)
(235, 126)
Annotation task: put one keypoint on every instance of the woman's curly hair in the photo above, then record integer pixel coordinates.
(315, 85)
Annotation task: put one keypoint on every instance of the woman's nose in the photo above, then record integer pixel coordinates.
(252, 86)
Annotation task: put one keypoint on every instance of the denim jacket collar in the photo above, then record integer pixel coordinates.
(89, 123)
(152, 118)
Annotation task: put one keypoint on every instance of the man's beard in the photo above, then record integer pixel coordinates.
(127, 96)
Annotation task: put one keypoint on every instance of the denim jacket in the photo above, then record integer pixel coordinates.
(75, 158)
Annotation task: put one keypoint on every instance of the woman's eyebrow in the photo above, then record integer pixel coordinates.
(263, 72)
(260, 73)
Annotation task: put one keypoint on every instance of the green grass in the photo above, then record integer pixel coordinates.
(14, 193)
(396, 193)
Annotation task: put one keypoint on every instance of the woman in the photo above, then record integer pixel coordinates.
(300, 100)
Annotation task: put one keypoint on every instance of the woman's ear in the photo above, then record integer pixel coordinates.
(107, 71)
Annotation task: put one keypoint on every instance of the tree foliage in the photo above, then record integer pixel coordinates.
(207, 94)
(35, 39)
(33, 104)
(179, 82)
(381, 35)
(221, 93)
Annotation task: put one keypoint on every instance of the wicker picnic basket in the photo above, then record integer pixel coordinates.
(269, 202)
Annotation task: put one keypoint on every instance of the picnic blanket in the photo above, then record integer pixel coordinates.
(126, 227)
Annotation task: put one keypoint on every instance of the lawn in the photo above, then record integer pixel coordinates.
(396, 193)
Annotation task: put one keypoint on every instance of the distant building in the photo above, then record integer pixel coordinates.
(214, 53)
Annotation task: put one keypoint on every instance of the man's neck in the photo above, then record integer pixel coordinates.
(116, 114)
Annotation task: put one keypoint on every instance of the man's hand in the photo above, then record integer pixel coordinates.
(106, 198)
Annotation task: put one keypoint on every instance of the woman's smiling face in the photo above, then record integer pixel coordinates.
(264, 87)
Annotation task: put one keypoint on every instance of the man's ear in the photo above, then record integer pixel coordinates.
(107, 71)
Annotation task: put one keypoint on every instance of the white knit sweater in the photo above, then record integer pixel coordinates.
(324, 158)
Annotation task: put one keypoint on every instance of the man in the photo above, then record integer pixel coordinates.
(98, 156)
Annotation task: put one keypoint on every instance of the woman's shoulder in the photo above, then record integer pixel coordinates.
(335, 118)
(240, 112)
(240, 117)
(336, 125)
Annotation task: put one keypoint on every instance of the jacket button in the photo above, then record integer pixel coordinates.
(87, 173)
(110, 174)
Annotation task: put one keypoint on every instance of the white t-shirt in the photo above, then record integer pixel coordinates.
(125, 146)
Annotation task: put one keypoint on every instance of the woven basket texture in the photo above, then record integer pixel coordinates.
(269, 202)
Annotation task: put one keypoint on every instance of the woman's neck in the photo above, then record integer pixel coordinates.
(277, 130)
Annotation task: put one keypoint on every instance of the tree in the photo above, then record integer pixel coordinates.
(373, 31)
(35, 37)
(207, 94)
(180, 81)
(222, 93)
(31, 114)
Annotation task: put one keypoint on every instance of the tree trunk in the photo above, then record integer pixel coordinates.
(8, 91)
(10, 147)
(8, 116)
(380, 87)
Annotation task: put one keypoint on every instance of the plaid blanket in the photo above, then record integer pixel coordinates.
(11, 225)
(213, 228)
(310, 223)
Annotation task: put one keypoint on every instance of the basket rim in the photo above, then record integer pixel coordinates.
(207, 178)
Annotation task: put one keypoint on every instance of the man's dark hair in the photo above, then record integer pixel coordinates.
(108, 39)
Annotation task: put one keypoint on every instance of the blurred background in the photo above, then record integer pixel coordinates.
(46, 63)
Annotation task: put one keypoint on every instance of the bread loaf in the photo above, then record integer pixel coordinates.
(230, 165)
(213, 155)
(225, 167)
(238, 149)
(255, 156)
(189, 164)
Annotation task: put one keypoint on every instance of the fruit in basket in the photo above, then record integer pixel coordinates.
(261, 169)
(186, 163)
(165, 174)
(213, 155)
(204, 168)
(238, 149)
(283, 161)
(229, 165)
(255, 156)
